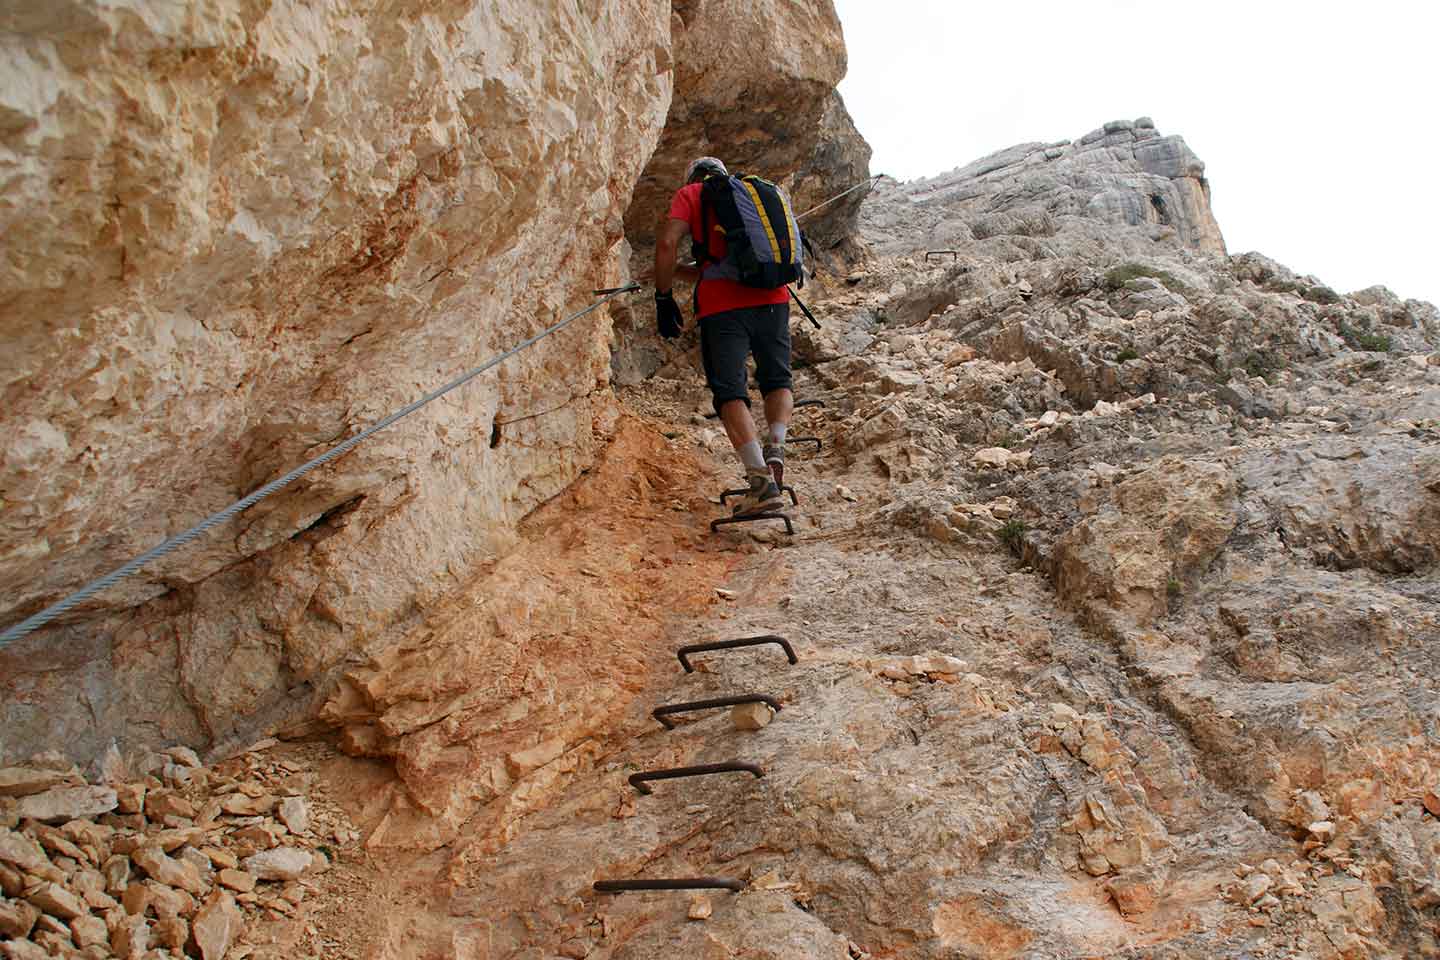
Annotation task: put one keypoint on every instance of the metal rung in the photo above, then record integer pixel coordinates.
(684, 652)
(725, 494)
(819, 445)
(751, 518)
(690, 883)
(660, 713)
(637, 780)
(937, 254)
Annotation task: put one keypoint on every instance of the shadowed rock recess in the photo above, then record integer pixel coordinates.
(1113, 584)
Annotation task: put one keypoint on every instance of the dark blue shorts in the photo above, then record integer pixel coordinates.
(727, 339)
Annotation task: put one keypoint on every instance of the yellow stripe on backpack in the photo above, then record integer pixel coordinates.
(764, 218)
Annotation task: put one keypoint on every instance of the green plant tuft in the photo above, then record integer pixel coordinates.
(1012, 534)
(1363, 339)
(1262, 363)
(1126, 354)
(1117, 277)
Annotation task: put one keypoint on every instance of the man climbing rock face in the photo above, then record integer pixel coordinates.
(735, 321)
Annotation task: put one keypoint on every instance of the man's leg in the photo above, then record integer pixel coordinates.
(740, 428)
(770, 339)
(779, 404)
(724, 348)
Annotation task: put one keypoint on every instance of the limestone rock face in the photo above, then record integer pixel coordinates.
(1164, 525)
(1122, 175)
(237, 234)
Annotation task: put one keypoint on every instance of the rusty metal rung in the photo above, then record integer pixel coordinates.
(687, 883)
(751, 518)
(684, 652)
(937, 254)
(819, 444)
(660, 713)
(637, 780)
(724, 494)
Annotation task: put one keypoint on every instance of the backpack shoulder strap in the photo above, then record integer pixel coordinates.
(710, 189)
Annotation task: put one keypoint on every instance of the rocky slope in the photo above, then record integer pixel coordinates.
(1113, 583)
(1114, 593)
(240, 233)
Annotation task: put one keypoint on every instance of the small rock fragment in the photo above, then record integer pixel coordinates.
(700, 908)
(162, 804)
(12, 881)
(89, 931)
(172, 873)
(240, 805)
(23, 950)
(136, 899)
(751, 716)
(117, 874)
(57, 901)
(184, 756)
(22, 851)
(222, 859)
(282, 863)
(295, 813)
(993, 457)
(24, 781)
(130, 938)
(57, 843)
(237, 880)
(129, 797)
(67, 803)
(217, 924)
(17, 918)
(171, 932)
(169, 902)
(1256, 886)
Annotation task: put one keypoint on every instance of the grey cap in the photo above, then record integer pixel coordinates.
(704, 166)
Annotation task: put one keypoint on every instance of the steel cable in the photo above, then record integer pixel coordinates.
(32, 623)
(839, 195)
(38, 620)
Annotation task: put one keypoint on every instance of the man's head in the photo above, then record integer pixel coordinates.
(703, 167)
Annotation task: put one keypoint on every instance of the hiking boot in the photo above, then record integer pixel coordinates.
(775, 460)
(763, 496)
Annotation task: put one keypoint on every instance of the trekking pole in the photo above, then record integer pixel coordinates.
(804, 309)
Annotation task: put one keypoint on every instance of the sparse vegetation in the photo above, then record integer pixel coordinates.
(1012, 534)
(1262, 363)
(1117, 277)
(1126, 354)
(1173, 587)
(1363, 339)
(1315, 293)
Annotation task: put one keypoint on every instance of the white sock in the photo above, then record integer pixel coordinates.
(752, 456)
(777, 433)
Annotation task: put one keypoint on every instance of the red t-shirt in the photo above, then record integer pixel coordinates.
(718, 295)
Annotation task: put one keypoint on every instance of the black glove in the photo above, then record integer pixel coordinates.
(668, 318)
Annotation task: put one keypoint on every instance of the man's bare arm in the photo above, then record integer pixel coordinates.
(667, 251)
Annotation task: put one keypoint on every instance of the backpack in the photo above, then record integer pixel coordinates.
(763, 243)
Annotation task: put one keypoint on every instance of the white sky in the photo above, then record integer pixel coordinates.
(1319, 123)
